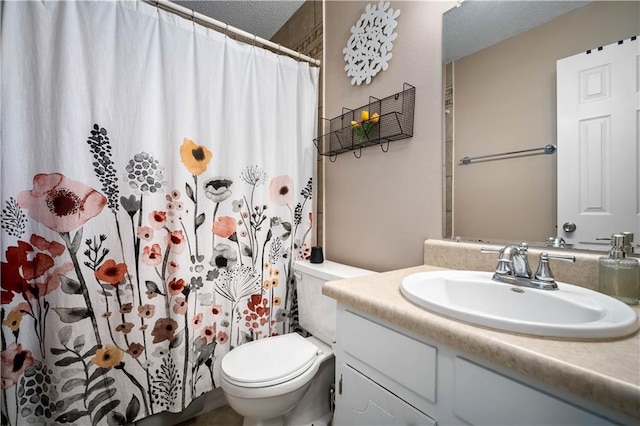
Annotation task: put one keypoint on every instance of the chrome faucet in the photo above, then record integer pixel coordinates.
(513, 267)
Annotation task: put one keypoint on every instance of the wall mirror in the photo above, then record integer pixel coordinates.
(500, 96)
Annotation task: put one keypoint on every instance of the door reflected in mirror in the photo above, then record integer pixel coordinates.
(503, 98)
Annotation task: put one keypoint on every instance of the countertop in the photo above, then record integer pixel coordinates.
(604, 372)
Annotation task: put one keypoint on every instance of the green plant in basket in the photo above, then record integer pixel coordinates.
(362, 128)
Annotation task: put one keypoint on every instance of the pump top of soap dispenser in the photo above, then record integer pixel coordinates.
(628, 244)
(618, 244)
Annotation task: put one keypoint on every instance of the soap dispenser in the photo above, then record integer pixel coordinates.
(619, 274)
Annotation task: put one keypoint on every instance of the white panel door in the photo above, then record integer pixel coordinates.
(598, 101)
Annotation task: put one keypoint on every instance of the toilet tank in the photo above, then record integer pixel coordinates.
(317, 313)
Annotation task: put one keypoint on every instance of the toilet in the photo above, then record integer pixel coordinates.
(291, 384)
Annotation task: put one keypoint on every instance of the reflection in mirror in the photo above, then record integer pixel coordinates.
(502, 98)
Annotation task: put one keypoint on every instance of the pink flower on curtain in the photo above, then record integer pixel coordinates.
(14, 360)
(157, 219)
(222, 337)
(208, 333)
(197, 320)
(180, 306)
(59, 203)
(224, 226)
(146, 311)
(177, 241)
(216, 310)
(281, 190)
(144, 233)
(152, 256)
(172, 267)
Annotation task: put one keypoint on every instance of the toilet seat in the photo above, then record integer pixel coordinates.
(269, 362)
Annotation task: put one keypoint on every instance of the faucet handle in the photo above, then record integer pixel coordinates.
(489, 250)
(544, 270)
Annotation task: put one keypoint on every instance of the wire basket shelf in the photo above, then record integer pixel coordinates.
(390, 119)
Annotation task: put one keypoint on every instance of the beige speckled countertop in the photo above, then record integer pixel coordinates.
(605, 372)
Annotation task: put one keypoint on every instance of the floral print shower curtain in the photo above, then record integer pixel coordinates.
(156, 189)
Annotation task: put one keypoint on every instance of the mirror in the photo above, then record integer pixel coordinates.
(500, 96)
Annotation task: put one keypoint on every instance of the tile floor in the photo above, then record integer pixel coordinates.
(223, 416)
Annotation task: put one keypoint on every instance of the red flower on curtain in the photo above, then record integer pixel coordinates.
(24, 266)
(59, 203)
(111, 272)
(257, 313)
(176, 286)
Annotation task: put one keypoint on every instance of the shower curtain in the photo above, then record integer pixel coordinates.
(156, 189)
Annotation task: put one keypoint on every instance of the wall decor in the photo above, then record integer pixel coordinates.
(377, 123)
(368, 50)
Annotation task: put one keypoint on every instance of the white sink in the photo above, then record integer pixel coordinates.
(473, 297)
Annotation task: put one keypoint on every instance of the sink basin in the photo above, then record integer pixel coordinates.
(473, 297)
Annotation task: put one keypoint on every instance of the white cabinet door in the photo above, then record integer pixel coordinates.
(598, 113)
(484, 397)
(364, 402)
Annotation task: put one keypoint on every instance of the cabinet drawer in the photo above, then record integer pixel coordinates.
(401, 358)
(484, 397)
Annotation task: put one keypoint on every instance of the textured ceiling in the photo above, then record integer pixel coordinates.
(474, 25)
(260, 17)
(477, 24)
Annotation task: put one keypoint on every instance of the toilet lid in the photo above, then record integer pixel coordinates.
(268, 362)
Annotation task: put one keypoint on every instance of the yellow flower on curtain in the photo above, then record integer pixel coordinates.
(195, 157)
(13, 320)
(109, 356)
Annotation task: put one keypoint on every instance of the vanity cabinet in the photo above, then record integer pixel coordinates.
(386, 376)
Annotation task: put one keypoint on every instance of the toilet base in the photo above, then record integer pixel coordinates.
(314, 408)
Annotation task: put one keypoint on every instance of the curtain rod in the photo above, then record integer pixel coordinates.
(193, 15)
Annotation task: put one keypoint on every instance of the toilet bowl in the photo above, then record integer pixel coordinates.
(286, 380)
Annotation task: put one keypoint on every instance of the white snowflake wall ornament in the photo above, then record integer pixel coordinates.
(368, 50)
